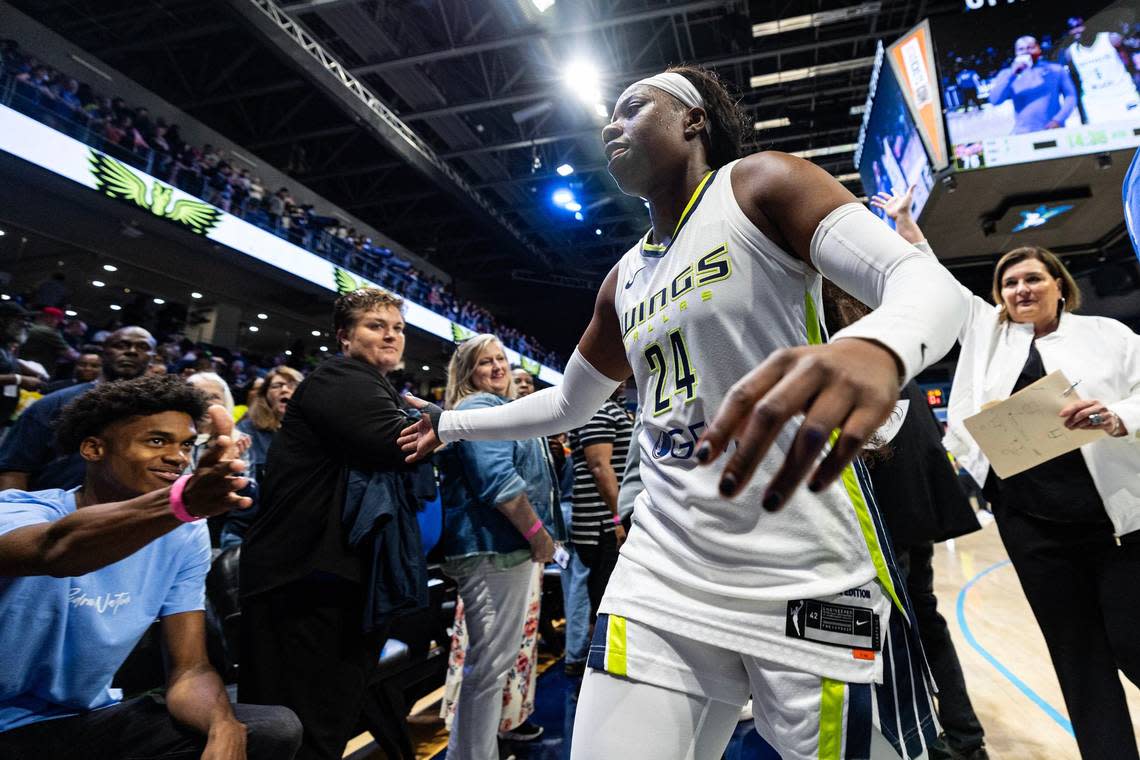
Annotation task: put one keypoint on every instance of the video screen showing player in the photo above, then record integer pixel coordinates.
(890, 154)
(1034, 66)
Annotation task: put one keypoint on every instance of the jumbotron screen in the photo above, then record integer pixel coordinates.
(1034, 79)
(890, 155)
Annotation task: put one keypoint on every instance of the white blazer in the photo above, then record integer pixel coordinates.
(1101, 353)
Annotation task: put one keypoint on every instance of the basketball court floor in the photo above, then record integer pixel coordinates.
(1008, 672)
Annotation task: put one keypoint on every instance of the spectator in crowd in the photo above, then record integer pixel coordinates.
(499, 521)
(45, 344)
(303, 586)
(268, 403)
(267, 408)
(84, 574)
(135, 136)
(1071, 525)
(600, 448)
(28, 458)
(13, 333)
(156, 367)
(88, 367)
(75, 333)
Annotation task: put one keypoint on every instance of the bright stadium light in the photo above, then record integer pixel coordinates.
(160, 301)
(583, 80)
(262, 315)
(316, 333)
(98, 283)
(562, 197)
(579, 217)
(574, 206)
(598, 231)
(783, 121)
(69, 312)
(565, 170)
(195, 295)
(254, 328)
(426, 368)
(324, 348)
(116, 307)
(542, 5)
(110, 268)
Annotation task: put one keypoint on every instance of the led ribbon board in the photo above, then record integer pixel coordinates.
(41, 145)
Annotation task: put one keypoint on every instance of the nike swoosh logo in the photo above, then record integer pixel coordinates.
(629, 283)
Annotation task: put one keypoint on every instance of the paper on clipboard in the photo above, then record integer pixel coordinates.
(1026, 429)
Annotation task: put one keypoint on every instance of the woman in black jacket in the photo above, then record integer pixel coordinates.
(303, 586)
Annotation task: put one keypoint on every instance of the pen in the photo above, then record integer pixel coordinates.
(1069, 390)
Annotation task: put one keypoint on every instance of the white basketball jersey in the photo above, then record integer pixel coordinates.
(1107, 91)
(696, 316)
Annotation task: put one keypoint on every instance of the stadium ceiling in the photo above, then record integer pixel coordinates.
(457, 157)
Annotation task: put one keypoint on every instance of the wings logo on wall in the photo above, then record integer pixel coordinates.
(116, 180)
(345, 282)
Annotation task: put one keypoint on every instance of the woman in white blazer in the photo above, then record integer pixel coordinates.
(1071, 525)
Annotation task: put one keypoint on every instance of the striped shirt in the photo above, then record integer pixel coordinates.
(611, 424)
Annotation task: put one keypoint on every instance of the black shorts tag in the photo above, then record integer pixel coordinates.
(840, 625)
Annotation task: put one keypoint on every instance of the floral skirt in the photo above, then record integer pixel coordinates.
(518, 693)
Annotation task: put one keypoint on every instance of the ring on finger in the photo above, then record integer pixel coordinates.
(1096, 419)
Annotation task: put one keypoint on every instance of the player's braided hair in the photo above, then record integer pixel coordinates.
(727, 123)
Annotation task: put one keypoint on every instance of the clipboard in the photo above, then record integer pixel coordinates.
(1026, 429)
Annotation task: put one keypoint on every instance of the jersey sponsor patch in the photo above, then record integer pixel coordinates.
(840, 625)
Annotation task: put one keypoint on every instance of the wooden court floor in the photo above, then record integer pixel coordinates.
(1012, 684)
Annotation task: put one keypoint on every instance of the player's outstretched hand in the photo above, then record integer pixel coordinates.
(850, 385)
(418, 440)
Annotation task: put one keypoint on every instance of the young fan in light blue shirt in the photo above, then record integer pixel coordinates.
(85, 572)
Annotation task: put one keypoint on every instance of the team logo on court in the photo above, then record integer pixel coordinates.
(117, 180)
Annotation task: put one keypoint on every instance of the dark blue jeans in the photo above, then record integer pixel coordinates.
(142, 729)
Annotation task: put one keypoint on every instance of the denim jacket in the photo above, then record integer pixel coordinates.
(475, 476)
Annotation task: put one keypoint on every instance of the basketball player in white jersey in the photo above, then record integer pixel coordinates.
(733, 581)
(1106, 88)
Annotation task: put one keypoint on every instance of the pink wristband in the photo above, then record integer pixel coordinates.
(533, 530)
(177, 506)
(617, 519)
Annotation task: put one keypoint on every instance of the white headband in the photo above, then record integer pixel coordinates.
(679, 87)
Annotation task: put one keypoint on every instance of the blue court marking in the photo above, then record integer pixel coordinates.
(1033, 696)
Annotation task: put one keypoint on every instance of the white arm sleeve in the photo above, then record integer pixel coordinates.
(918, 305)
(551, 410)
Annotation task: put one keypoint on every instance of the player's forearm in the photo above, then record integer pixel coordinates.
(89, 538)
(551, 410)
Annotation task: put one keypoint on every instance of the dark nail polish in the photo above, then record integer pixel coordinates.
(815, 486)
(727, 485)
(772, 501)
(813, 437)
(703, 452)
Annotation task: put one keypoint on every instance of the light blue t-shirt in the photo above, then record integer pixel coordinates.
(63, 639)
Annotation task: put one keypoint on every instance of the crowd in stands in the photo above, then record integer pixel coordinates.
(155, 145)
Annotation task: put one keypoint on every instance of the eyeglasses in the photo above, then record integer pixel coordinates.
(280, 386)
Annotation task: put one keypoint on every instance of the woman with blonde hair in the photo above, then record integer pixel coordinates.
(1071, 525)
(267, 405)
(500, 520)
